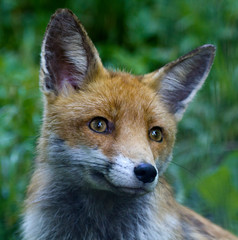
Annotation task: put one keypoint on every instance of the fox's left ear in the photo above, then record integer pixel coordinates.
(68, 56)
(177, 82)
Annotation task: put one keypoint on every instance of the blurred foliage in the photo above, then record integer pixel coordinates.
(138, 36)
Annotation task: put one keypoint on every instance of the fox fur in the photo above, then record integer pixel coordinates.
(90, 184)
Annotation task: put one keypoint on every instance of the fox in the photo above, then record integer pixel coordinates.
(107, 138)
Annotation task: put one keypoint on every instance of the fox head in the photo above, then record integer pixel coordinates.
(106, 130)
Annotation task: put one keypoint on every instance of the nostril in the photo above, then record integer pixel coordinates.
(145, 172)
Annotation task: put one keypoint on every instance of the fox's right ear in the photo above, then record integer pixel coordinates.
(68, 56)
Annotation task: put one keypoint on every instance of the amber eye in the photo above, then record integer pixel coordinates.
(99, 125)
(156, 134)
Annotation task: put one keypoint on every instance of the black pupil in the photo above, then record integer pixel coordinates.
(155, 133)
(99, 124)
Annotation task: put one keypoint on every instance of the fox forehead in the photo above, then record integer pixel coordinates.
(123, 99)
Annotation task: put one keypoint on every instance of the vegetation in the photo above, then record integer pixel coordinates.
(138, 36)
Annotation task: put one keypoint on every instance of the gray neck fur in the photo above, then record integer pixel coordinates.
(80, 214)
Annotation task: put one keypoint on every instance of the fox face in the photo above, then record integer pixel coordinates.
(112, 135)
(106, 130)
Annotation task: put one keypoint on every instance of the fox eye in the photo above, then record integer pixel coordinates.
(156, 134)
(99, 125)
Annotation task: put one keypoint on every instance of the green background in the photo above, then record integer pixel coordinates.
(136, 36)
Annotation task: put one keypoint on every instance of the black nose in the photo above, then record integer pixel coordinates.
(145, 172)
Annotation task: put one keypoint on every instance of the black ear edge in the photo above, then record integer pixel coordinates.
(88, 45)
(208, 48)
(153, 79)
(61, 13)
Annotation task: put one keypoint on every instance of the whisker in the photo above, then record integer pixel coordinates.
(184, 168)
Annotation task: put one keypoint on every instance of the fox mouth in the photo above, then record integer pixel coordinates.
(100, 179)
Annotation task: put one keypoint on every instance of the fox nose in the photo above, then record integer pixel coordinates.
(145, 172)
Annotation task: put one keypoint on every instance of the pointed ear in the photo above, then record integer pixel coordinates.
(178, 81)
(68, 57)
